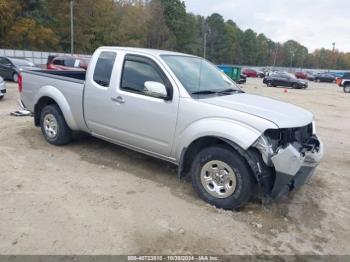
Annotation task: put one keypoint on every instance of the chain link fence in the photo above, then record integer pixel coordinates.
(37, 57)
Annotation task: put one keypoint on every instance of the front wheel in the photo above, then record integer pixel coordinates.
(295, 86)
(54, 126)
(269, 84)
(347, 89)
(222, 177)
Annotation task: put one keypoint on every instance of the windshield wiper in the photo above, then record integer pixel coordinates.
(205, 92)
(226, 91)
(209, 92)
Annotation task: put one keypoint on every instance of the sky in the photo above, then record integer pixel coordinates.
(313, 23)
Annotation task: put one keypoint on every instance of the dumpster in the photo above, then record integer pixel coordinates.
(234, 72)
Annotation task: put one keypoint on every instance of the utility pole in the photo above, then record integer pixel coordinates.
(205, 34)
(71, 27)
(291, 58)
(275, 58)
(333, 56)
(205, 44)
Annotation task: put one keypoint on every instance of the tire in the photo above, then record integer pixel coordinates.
(15, 77)
(54, 126)
(269, 84)
(347, 89)
(318, 80)
(239, 177)
(1, 98)
(295, 86)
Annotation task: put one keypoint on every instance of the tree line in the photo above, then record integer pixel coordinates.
(163, 24)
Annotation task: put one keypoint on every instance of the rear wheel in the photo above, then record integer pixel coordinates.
(15, 77)
(318, 80)
(222, 177)
(54, 126)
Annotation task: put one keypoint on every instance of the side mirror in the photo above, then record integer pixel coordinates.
(155, 89)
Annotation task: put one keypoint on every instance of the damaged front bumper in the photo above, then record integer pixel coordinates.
(290, 166)
(294, 168)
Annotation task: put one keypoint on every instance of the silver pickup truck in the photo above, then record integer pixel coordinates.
(182, 109)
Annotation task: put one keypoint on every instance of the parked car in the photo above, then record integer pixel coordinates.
(11, 67)
(310, 76)
(253, 73)
(344, 82)
(337, 74)
(301, 75)
(284, 79)
(325, 77)
(2, 88)
(182, 109)
(67, 63)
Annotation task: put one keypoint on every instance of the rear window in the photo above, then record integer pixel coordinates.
(69, 62)
(58, 61)
(104, 67)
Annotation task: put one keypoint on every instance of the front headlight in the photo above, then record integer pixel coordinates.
(265, 148)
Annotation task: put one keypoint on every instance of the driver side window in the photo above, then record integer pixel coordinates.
(136, 73)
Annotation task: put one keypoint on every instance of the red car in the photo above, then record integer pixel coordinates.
(301, 75)
(68, 63)
(253, 73)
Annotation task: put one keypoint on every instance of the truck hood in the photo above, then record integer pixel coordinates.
(282, 114)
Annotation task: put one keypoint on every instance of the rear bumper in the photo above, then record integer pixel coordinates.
(294, 168)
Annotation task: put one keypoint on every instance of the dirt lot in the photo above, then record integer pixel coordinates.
(91, 197)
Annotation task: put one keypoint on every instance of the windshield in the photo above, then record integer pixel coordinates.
(199, 76)
(20, 62)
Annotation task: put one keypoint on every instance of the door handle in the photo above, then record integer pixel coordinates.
(118, 100)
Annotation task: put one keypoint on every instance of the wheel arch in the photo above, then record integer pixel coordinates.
(263, 175)
(234, 135)
(50, 95)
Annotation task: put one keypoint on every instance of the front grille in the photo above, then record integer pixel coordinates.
(290, 135)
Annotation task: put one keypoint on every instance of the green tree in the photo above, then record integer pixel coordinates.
(26, 33)
(250, 47)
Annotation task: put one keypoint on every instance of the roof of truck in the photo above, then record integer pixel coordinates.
(148, 51)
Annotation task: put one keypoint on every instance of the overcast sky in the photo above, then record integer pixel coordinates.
(313, 23)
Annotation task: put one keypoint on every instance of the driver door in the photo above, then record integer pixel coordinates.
(140, 120)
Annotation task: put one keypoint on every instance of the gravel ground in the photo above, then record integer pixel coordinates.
(91, 197)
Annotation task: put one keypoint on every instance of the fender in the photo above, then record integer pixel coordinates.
(55, 94)
(240, 134)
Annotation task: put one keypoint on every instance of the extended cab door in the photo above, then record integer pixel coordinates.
(120, 111)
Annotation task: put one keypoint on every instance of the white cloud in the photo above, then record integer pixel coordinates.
(313, 23)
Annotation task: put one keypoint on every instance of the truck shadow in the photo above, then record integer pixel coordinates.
(108, 155)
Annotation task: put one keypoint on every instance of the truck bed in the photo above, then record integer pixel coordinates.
(65, 87)
(61, 74)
